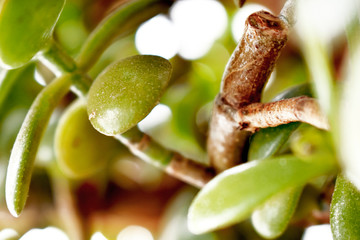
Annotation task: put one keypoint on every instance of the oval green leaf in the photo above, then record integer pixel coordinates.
(80, 150)
(345, 210)
(232, 195)
(26, 27)
(126, 92)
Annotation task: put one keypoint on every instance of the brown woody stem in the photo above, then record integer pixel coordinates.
(244, 78)
(186, 170)
(298, 109)
(189, 171)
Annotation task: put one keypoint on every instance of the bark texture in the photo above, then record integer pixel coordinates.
(298, 109)
(244, 78)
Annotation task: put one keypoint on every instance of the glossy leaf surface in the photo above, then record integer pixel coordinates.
(272, 218)
(81, 151)
(266, 142)
(126, 92)
(345, 210)
(26, 27)
(232, 195)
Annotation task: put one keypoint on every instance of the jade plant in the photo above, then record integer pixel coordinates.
(264, 163)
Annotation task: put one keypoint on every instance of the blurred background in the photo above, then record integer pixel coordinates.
(127, 198)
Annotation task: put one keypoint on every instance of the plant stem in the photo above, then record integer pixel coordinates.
(298, 109)
(27, 143)
(59, 62)
(245, 76)
(7, 80)
(56, 59)
(120, 23)
(176, 165)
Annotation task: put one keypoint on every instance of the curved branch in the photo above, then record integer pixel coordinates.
(298, 109)
(176, 165)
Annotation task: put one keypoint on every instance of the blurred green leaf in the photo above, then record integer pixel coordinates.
(26, 27)
(81, 150)
(272, 218)
(7, 80)
(174, 221)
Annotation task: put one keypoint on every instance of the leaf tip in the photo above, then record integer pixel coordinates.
(12, 206)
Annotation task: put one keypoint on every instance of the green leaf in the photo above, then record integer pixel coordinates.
(232, 195)
(126, 92)
(298, 90)
(81, 151)
(345, 210)
(27, 143)
(268, 141)
(7, 80)
(271, 219)
(26, 27)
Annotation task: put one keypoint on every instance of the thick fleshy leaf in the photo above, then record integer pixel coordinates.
(7, 80)
(271, 219)
(81, 151)
(26, 27)
(232, 195)
(345, 210)
(268, 141)
(27, 142)
(126, 92)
